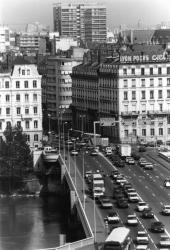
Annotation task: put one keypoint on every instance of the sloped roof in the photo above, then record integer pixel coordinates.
(161, 36)
(139, 36)
(20, 61)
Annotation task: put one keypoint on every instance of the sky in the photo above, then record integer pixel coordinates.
(17, 13)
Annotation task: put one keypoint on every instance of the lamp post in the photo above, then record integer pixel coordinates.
(83, 183)
(68, 151)
(94, 214)
(64, 141)
(49, 124)
(82, 117)
(94, 131)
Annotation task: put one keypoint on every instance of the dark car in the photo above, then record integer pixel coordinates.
(136, 156)
(142, 149)
(148, 213)
(157, 227)
(122, 203)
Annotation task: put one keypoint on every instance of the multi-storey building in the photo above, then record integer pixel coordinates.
(132, 87)
(86, 22)
(20, 100)
(59, 83)
(4, 39)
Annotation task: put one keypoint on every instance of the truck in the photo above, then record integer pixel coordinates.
(97, 185)
(125, 150)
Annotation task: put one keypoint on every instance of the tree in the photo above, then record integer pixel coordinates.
(17, 151)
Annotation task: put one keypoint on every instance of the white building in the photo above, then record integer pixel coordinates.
(20, 100)
(4, 39)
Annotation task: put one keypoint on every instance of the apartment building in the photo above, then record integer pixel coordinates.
(86, 22)
(20, 100)
(132, 87)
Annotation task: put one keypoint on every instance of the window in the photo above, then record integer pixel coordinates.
(168, 131)
(143, 132)
(143, 94)
(151, 94)
(151, 82)
(7, 111)
(18, 124)
(35, 137)
(34, 84)
(133, 71)
(28, 71)
(0, 111)
(125, 83)
(27, 124)
(0, 125)
(28, 137)
(159, 93)
(133, 95)
(125, 95)
(160, 81)
(26, 84)
(168, 81)
(168, 70)
(125, 72)
(7, 85)
(8, 124)
(160, 131)
(27, 111)
(35, 110)
(143, 82)
(142, 71)
(160, 107)
(34, 97)
(7, 98)
(18, 111)
(133, 83)
(168, 118)
(23, 72)
(151, 71)
(134, 132)
(126, 132)
(168, 93)
(143, 108)
(18, 98)
(159, 71)
(152, 131)
(35, 124)
(17, 84)
(26, 97)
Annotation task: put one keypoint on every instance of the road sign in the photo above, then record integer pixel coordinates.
(107, 122)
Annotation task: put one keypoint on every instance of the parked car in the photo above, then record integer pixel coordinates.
(133, 197)
(122, 203)
(167, 183)
(142, 149)
(142, 238)
(74, 152)
(148, 166)
(164, 241)
(165, 210)
(142, 247)
(157, 227)
(93, 152)
(132, 220)
(113, 217)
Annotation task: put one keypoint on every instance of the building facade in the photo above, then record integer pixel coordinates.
(86, 22)
(133, 88)
(20, 98)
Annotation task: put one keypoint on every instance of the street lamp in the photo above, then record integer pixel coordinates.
(94, 214)
(82, 117)
(83, 183)
(64, 140)
(49, 125)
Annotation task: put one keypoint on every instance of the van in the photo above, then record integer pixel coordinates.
(166, 210)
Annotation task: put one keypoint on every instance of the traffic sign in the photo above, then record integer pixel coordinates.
(107, 121)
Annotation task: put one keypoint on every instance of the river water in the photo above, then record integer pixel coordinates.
(29, 223)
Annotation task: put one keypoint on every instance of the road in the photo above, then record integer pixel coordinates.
(148, 184)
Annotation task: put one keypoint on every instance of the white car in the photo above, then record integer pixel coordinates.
(133, 197)
(113, 217)
(142, 238)
(105, 203)
(167, 183)
(74, 152)
(141, 206)
(142, 247)
(164, 241)
(166, 210)
(132, 220)
(148, 165)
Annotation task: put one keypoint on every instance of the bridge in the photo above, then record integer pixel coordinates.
(94, 228)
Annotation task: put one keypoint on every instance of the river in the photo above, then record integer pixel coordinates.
(28, 223)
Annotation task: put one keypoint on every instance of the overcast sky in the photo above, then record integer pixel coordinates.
(129, 12)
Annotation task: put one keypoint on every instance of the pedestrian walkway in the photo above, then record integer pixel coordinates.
(93, 214)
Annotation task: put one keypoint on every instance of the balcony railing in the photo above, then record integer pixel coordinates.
(132, 113)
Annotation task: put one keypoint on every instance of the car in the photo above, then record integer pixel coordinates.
(136, 156)
(118, 195)
(142, 238)
(113, 217)
(142, 149)
(164, 241)
(114, 174)
(131, 161)
(122, 203)
(93, 153)
(147, 213)
(157, 227)
(105, 202)
(167, 183)
(148, 166)
(74, 152)
(120, 180)
(141, 206)
(133, 197)
(142, 247)
(132, 220)
(165, 210)
(127, 159)
(142, 163)
(130, 191)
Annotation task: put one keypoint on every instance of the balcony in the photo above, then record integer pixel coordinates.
(130, 114)
(158, 112)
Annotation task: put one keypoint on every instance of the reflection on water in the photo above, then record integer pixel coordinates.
(29, 223)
